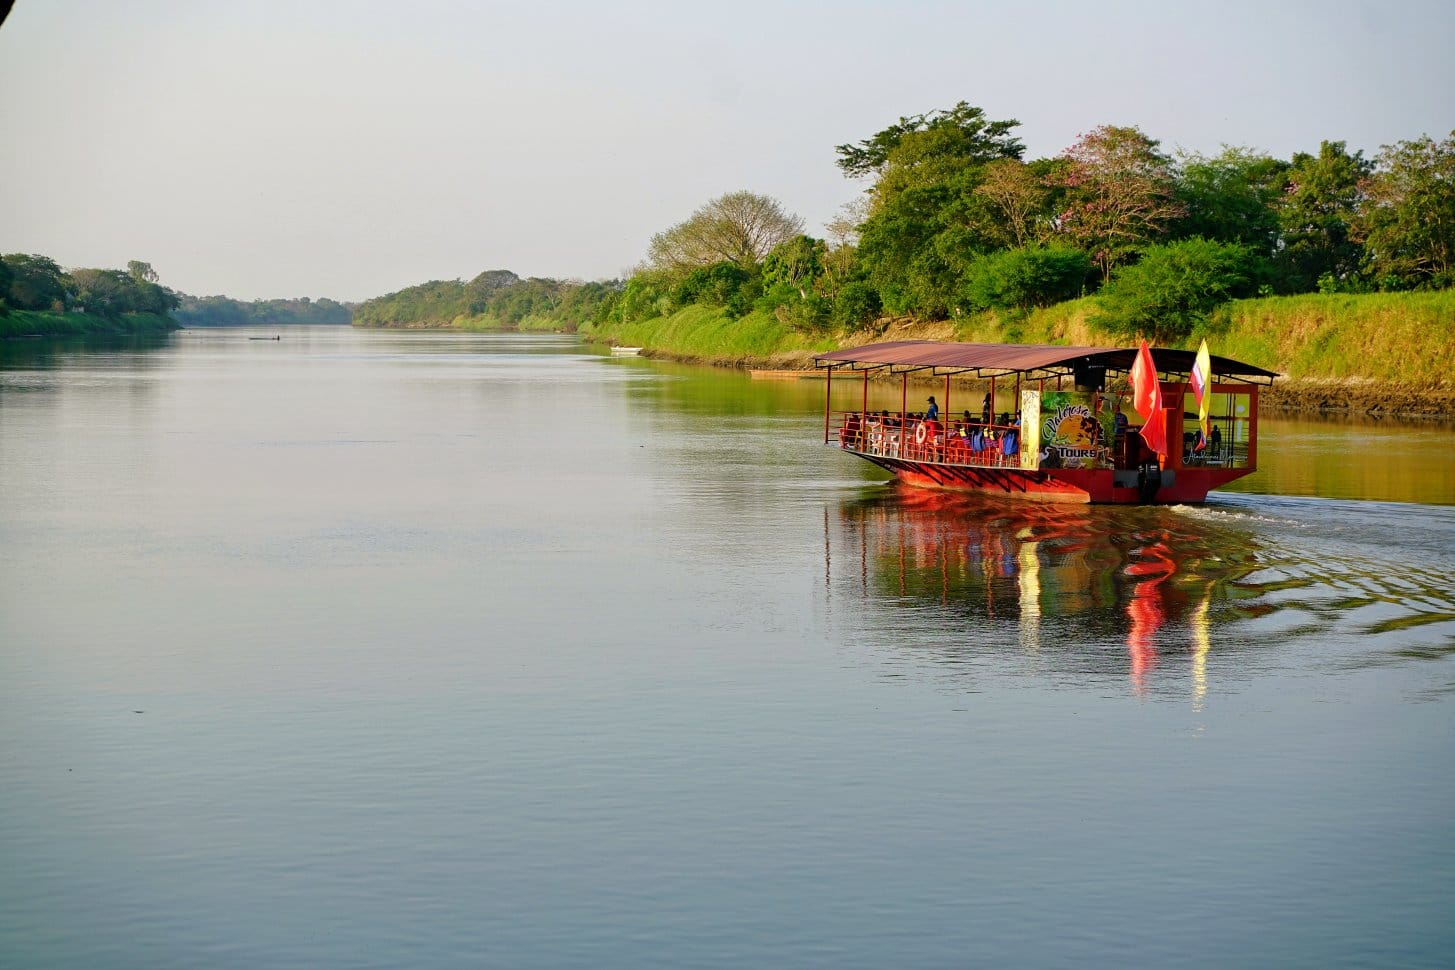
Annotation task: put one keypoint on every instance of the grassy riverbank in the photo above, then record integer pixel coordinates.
(1379, 351)
(28, 323)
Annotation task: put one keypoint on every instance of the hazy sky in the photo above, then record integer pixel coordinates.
(347, 149)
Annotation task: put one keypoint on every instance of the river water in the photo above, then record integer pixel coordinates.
(372, 649)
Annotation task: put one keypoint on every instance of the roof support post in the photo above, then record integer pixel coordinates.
(903, 409)
(1253, 427)
(828, 386)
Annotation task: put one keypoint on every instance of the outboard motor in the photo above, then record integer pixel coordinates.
(1149, 480)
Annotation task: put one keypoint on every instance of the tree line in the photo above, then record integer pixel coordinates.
(222, 311)
(955, 220)
(495, 296)
(37, 284)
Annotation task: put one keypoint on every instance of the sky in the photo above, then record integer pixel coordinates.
(288, 148)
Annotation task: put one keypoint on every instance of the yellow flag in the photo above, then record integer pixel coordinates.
(1202, 385)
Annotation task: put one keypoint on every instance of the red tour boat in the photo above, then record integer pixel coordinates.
(1186, 424)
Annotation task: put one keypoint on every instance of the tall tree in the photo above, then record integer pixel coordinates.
(1408, 217)
(1316, 215)
(37, 283)
(1231, 197)
(740, 227)
(975, 139)
(141, 272)
(1120, 194)
(1016, 201)
(925, 223)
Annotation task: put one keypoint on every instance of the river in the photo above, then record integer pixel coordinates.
(386, 649)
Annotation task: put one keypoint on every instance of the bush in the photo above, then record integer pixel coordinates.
(1020, 279)
(856, 304)
(1173, 288)
(795, 307)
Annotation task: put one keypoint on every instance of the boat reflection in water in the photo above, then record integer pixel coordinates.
(1075, 590)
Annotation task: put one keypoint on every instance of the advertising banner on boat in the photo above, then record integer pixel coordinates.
(1063, 429)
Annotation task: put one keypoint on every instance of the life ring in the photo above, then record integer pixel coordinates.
(920, 434)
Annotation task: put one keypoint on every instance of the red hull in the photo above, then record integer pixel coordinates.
(1074, 485)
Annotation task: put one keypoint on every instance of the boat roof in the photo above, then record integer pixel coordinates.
(1029, 360)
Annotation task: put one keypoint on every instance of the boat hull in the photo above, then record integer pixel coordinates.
(1072, 485)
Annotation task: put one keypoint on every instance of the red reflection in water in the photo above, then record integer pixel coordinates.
(1145, 609)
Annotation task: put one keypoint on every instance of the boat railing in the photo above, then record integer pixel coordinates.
(912, 439)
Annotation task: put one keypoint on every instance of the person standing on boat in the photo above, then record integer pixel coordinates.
(932, 413)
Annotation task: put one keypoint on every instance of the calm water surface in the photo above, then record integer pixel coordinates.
(431, 650)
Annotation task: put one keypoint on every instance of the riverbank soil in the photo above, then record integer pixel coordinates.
(1359, 397)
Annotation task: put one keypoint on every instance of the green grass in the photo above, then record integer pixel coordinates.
(1397, 338)
(710, 334)
(1063, 323)
(29, 323)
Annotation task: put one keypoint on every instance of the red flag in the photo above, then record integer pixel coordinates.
(1147, 399)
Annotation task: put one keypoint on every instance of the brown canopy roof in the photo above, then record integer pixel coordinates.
(1030, 360)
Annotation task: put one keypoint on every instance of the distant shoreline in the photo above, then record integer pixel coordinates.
(32, 324)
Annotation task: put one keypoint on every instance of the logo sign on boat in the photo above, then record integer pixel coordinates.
(1063, 429)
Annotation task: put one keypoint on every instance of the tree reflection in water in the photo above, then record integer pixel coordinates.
(1088, 590)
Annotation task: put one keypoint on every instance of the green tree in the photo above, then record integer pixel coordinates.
(1024, 278)
(962, 132)
(1408, 217)
(855, 304)
(1231, 197)
(1316, 215)
(480, 289)
(112, 292)
(740, 227)
(1120, 194)
(104, 292)
(141, 272)
(797, 262)
(796, 284)
(899, 255)
(37, 283)
(1174, 286)
(926, 222)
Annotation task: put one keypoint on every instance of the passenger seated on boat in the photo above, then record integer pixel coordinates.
(850, 433)
(1010, 447)
(957, 445)
(979, 443)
